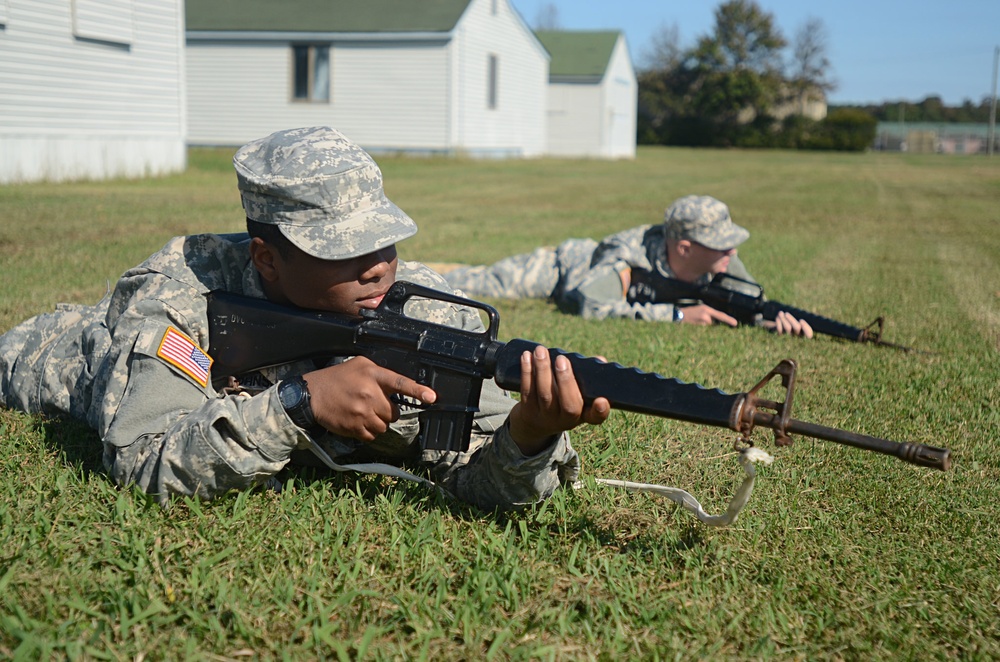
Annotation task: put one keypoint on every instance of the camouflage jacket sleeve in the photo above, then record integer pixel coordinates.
(164, 427)
(601, 293)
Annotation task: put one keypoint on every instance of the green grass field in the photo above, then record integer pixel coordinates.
(839, 555)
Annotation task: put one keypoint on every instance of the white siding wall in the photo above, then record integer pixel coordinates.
(91, 99)
(517, 126)
(621, 98)
(385, 96)
(389, 96)
(596, 120)
(576, 119)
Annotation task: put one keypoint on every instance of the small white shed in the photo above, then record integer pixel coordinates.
(91, 89)
(593, 94)
(443, 76)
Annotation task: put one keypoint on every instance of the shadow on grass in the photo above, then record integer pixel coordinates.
(78, 444)
(369, 487)
(627, 531)
(630, 533)
(80, 448)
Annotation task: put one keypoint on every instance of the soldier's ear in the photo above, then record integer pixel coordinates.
(265, 259)
(683, 247)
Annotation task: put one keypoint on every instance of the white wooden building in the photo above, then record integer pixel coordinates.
(443, 76)
(593, 94)
(91, 89)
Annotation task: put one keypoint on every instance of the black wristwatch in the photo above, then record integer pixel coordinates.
(293, 394)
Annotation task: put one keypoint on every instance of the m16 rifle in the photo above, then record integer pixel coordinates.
(744, 300)
(248, 334)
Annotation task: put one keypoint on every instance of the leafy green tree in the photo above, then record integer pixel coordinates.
(745, 38)
(662, 84)
(738, 65)
(719, 91)
(845, 129)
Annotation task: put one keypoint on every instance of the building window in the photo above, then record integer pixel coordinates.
(107, 22)
(493, 7)
(491, 82)
(311, 76)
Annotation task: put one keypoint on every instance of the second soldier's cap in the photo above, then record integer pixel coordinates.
(322, 191)
(703, 219)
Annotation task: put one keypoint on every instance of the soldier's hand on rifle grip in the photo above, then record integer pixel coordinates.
(704, 315)
(551, 402)
(352, 399)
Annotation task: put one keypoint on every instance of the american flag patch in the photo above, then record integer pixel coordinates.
(180, 351)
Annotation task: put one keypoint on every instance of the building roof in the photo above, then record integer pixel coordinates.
(368, 16)
(578, 56)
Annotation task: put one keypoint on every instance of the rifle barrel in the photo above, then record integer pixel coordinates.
(914, 453)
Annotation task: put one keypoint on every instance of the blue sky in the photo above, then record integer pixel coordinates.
(880, 50)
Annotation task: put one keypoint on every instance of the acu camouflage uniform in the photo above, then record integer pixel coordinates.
(591, 279)
(163, 425)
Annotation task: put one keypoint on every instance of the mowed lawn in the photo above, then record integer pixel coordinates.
(840, 554)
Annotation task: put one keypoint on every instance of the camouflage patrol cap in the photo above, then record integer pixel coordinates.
(322, 191)
(703, 219)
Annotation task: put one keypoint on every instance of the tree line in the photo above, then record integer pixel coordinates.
(931, 109)
(735, 87)
(744, 84)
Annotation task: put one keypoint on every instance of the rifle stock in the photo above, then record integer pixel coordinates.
(248, 334)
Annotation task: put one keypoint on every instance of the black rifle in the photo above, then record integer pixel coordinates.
(248, 334)
(730, 295)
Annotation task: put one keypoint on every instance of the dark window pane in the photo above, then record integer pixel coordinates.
(301, 63)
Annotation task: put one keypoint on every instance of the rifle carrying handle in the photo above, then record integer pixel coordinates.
(402, 291)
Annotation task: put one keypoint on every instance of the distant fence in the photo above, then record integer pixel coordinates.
(934, 138)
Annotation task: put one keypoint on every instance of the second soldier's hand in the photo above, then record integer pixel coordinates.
(704, 315)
